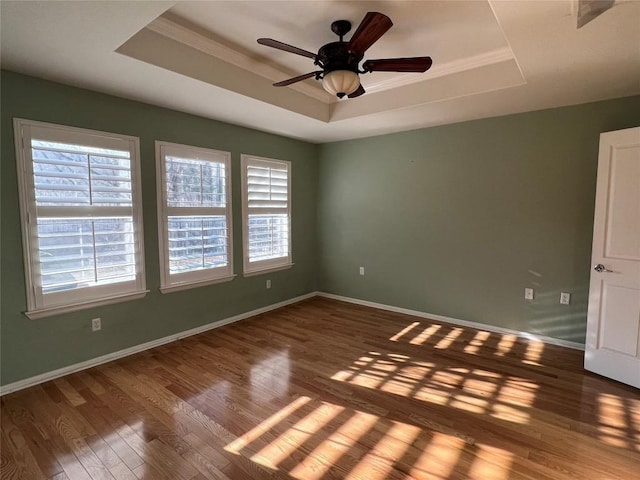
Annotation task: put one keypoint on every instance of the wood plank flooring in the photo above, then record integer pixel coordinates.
(326, 390)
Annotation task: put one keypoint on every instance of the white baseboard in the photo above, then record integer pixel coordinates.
(45, 377)
(456, 321)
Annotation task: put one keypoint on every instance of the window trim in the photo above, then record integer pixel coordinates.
(37, 306)
(201, 278)
(270, 265)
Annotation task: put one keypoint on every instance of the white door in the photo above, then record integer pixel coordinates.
(613, 322)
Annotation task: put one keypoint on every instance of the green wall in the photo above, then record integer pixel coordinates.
(31, 347)
(457, 220)
(454, 220)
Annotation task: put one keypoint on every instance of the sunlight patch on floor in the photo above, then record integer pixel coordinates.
(288, 442)
(478, 341)
(480, 385)
(364, 445)
(385, 453)
(534, 353)
(491, 462)
(241, 442)
(468, 403)
(449, 339)
(616, 425)
(404, 331)
(518, 392)
(482, 342)
(339, 444)
(397, 387)
(510, 414)
(440, 457)
(472, 390)
(505, 345)
(432, 395)
(425, 335)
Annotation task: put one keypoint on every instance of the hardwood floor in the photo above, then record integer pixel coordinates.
(328, 390)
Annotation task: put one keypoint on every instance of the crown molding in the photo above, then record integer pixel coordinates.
(441, 70)
(182, 34)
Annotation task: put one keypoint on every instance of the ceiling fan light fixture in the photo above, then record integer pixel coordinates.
(341, 82)
(339, 60)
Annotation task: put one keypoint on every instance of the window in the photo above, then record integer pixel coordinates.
(194, 216)
(266, 214)
(81, 217)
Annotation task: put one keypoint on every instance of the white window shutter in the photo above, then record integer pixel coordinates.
(81, 209)
(194, 216)
(266, 213)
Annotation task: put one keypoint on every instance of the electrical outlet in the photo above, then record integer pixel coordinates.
(96, 324)
(565, 298)
(268, 283)
(528, 293)
(361, 270)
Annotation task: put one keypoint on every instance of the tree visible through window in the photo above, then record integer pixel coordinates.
(73, 252)
(195, 219)
(80, 206)
(266, 213)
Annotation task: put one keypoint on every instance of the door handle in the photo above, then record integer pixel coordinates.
(601, 268)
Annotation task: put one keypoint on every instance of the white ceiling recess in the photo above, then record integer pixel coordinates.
(490, 58)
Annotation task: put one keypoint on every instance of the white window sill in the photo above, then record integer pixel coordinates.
(51, 311)
(262, 271)
(188, 285)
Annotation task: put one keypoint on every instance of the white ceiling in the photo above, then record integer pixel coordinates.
(490, 58)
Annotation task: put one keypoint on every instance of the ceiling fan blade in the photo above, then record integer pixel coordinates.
(372, 27)
(299, 78)
(357, 93)
(590, 9)
(415, 64)
(269, 42)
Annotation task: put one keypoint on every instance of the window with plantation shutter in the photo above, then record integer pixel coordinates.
(82, 220)
(266, 205)
(194, 194)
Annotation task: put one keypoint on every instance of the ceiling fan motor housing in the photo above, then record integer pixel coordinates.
(337, 56)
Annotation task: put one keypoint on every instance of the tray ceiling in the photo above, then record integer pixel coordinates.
(490, 58)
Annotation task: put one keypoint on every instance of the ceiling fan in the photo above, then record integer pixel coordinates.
(339, 61)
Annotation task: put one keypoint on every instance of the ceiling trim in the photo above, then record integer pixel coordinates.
(118, 55)
(440, 70)
(155, 49)
(177, 31)
(182, 34)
